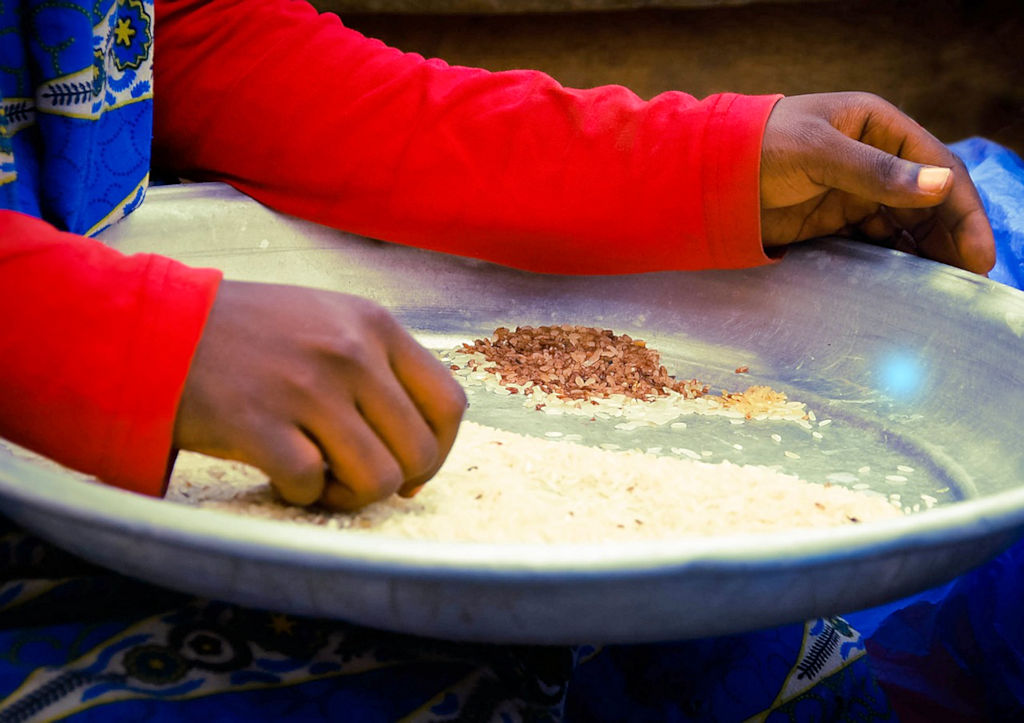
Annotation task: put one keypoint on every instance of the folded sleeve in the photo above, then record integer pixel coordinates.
(95, 350)
(316, 120)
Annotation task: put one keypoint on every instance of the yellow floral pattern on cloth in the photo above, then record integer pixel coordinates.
(75, 109)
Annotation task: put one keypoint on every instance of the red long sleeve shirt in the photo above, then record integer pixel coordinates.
(95, 350)
(316, 120)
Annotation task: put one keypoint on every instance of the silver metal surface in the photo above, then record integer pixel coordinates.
(916, 365)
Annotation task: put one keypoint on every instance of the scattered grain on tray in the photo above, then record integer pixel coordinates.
(497, 486)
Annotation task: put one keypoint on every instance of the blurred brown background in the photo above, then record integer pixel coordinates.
(955, 66)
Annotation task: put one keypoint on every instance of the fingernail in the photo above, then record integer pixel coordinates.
(932, 179)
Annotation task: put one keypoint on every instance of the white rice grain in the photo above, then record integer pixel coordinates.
(497, 486)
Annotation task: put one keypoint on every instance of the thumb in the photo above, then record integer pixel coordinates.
(873, 174)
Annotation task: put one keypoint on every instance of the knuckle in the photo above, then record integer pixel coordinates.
(362, 487)
(348, 350)
(379, 316)
(870, 98)
(360, 344)
(301, 383)
(450, 402)
(299, 482)
(381, 482)
(856, 110)
(422, 457)
(374, 316)
(866, 100)
(354, 333)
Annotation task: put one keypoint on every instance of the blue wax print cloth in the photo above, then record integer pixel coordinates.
(84, 644)
(76, 109)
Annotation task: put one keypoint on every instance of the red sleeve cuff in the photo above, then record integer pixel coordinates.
(731, 170)
(96, 350)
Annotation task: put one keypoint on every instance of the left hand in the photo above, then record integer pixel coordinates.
(325, 392)
(843, 163)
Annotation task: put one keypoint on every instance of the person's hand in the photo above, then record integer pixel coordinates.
(325, 392)
(851, 163)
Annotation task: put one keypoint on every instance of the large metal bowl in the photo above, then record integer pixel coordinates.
(917, 364)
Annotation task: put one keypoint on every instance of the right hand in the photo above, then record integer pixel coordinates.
(834, 162)
(325, 392)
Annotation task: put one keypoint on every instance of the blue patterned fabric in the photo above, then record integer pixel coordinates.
(80, 643)
(76, 110)
(84, 644)
(813, 671)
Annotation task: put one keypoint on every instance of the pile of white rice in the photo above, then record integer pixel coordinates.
(497, 486)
